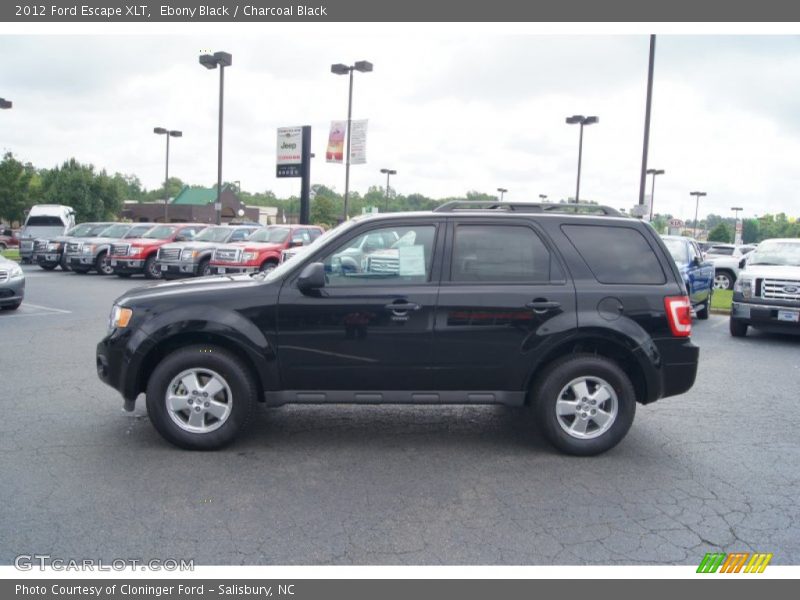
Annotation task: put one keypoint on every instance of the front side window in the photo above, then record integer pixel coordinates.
(270, 235)
(677, 248)
(116, 231)
(240, 234)
(160, 232)
(389, 255)
(499, 253)
(212, 234)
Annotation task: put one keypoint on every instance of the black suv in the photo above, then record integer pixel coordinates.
(579, 315)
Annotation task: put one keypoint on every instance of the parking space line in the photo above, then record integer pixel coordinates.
(40, 310)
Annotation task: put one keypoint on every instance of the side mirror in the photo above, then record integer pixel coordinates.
(743, 263)
(312, 277)
(697, 261)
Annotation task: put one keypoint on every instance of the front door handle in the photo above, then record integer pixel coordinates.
(542, 305)
(402, 306)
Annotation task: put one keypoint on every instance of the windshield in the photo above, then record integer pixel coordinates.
(80, 230)
(116, 231)
(138, 231)
(677, 248)
(213, 234)
(271, 235)
(282, 268)
(160, 232)
(785, 254)
(97, 230)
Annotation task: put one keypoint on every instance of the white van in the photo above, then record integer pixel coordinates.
(44, 221)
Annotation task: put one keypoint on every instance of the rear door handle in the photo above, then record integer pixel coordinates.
(402, 306)
(542, 305)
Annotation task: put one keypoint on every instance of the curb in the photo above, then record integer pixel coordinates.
(720, 311)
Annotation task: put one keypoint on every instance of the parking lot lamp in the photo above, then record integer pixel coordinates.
(653, 172)
(736, 210)
(212, 61)
(363, 66)
(580, 120)
(502, 192)
(168, 134)
(388, 173)
(5, 103)
(543, 197)
(697, 196)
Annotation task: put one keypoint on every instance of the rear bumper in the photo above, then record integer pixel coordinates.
(677, 368)
(768, 317)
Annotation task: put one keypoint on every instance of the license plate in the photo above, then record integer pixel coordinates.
(791, 316)
(51, 257)
(164, 267)
(221, 270)
(113, 263)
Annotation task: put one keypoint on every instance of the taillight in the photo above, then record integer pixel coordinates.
(679, 315)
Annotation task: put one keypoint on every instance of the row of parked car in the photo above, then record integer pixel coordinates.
(169, 250)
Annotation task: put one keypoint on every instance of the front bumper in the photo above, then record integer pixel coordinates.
(233, 269)
(121, 265)
(783, 319)
(46, 258)
(178, 268)
(12, 291)
(116, 363)
(80, 260)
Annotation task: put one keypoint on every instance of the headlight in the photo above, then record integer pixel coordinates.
(15, 271)
(248, 256)
(188, 254)
(53, 246)
(120, 317)
(744, 285)
(135, 250)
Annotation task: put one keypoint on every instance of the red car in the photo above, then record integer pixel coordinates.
(8, 239)
(138, 255)
(262, 250)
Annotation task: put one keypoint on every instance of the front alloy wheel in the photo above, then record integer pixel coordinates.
(199, 400)
(723, 281)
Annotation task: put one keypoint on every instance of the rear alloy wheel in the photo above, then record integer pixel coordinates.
(103, 264)
(151, 269)
(723, 280)
(737, 328)
(585, 404)
(200, 397)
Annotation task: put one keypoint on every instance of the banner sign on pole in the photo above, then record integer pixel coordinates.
(290, 152)
(358, 142)
(335, 150)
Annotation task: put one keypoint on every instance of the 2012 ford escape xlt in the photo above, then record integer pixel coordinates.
(581, 316)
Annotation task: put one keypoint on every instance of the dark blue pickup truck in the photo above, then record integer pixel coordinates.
(698, 274)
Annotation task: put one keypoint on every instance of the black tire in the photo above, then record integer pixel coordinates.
(268, 265)
(122, 275)
(204, 268)
(48, 266)
(63, 262)
(557, 376)
(724, 280)
(102, 264)
(702, 313)
(151, 270)
(737, 328)
(14, 306)
(238, 377)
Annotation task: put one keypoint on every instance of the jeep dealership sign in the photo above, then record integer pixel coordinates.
(289, 155)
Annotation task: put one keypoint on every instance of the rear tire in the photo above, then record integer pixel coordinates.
(703, 313)
(737, 328)
(222, 414)
(571, 395)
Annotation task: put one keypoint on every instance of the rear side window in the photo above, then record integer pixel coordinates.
(499, 253)
(616, 255)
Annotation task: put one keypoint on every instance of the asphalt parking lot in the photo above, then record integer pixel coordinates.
(717, 469)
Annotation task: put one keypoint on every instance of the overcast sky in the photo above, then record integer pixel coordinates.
(450, 113)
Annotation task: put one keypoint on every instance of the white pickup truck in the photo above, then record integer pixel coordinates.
(726, 258)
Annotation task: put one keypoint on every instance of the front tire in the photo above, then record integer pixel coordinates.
(103, 264)
(723, 280)
(267, 266)
(737, 328)
(200, 397)
(585, 404)
(204, 268)
(151, 270)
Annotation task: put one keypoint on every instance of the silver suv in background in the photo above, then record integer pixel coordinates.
(767, 293)
(91, 253)
(726, 258)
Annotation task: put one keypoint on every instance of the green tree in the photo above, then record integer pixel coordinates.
(15, 188)
(323, 211)
(720, 233)
(750, 232)
(94, 196)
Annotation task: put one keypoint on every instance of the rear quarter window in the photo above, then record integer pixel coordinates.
(616, 255)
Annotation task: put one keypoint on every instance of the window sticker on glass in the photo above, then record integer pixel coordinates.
(412, 261)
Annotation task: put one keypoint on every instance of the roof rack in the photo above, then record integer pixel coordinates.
(528, 207)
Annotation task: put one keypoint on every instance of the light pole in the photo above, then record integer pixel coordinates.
(5, 103)
(388, 173)
(580, 120)
(168, 134)
(209, 61)
(543, 197)
(502, 192)
(736, 210)
(653, 172)
(697, 196)
(363, 66)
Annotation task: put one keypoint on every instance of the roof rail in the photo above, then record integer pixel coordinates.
(528, 207)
